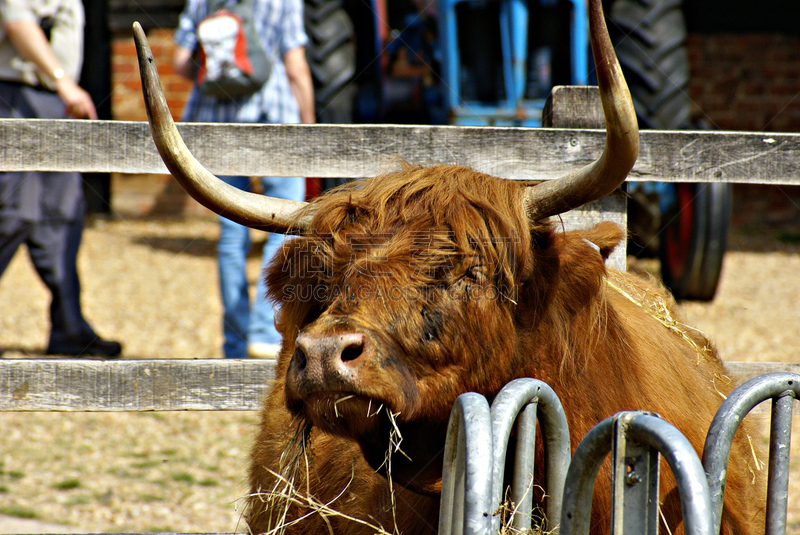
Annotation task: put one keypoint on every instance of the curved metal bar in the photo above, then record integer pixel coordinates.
(466, 476)
(651, 431)
(522, 477)
(576, 511)
(780, 444)
(686, 466)
(518, 401)
(719, 439)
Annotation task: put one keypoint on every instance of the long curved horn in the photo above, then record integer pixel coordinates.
(249, 209)
(601, 177)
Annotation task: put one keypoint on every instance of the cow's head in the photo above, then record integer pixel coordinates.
(402, 292)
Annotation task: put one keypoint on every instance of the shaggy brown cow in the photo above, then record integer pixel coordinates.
(404, 291)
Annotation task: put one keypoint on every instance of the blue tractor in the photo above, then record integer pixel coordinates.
(493, 62)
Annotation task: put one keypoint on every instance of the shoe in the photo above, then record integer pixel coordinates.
(84, 347)
(263, 350)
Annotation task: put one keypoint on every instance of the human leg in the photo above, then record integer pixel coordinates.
(53, 247)
(16, 215)
(232, 248)
(45, 210)
(13, 233)
(262, 321)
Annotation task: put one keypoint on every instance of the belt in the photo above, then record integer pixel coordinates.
(17, 83)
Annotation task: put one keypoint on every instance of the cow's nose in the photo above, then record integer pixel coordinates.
(330, 358)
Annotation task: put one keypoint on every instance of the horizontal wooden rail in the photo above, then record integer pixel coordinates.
(168, 384)
(132, 385)
(364, 150)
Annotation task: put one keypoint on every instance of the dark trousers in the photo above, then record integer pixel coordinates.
(44, 211)
(53, 248)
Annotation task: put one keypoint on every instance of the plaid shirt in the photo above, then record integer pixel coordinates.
(279, 23)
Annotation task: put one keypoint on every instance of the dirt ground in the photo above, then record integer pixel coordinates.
(152, 285)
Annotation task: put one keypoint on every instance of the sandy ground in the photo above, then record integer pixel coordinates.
(152, 285)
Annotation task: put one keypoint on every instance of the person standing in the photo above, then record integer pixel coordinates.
(286, 97)
(41, 52)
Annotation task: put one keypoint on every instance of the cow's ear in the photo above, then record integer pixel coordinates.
(605, 236)
(580, 270)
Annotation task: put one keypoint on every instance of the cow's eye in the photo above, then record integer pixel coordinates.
(476, 274)
(312, 314)
(432, 324)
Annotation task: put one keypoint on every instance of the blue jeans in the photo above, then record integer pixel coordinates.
(242, 324)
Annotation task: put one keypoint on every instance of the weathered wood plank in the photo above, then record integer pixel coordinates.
(365, 150)
(573, 107)
(168, 384)
(343, 151)
(132, 385)
(748, 370)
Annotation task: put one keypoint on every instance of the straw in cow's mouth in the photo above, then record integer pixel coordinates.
(285, 493)
(291, 496)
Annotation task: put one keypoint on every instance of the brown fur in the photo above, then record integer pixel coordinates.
(455, 291)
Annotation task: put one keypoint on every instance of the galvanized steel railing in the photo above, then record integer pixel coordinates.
(519, 401)
(466, 505)
(635, 440)
(782, 389)
(472, 488)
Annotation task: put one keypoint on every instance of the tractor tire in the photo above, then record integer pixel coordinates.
(685, 225)
(694, 239)
(331, 56)
(650, 40)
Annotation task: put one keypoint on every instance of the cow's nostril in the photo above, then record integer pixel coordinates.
(299, 358)
(352, 352)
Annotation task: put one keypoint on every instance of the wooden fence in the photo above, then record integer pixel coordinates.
(168, 384)
(364, 150)
(343, 151)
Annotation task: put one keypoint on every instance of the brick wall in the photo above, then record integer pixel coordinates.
(750, 82)
(746, 81)
(127, 104)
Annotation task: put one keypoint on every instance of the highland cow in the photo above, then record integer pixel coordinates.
(403, 291)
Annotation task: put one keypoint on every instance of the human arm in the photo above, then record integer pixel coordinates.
(183, 62)
(302, 86)
(185, 36)
(403, 68)
(32, 45)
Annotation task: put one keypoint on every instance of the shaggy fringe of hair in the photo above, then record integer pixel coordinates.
(445, 212)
